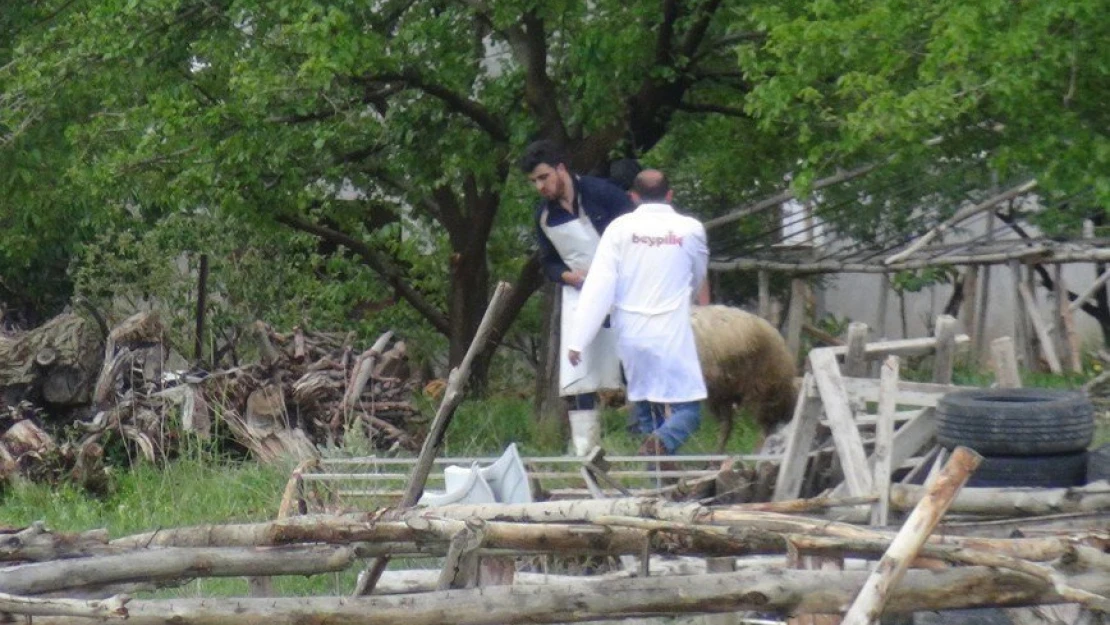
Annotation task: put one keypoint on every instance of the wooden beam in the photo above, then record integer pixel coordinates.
(1048, 347)
(1023, 342)
(796, 315)
(838, 410)
(884, 439)
(1099, 282)
(959, 216)
(803, 430)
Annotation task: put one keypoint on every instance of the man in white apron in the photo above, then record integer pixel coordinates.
(573, 213)
(647, 266)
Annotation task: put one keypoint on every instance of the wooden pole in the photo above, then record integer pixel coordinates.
(869, 604)
(202, 305)
(796, 315)
(1023, 342)
(1006, 372)
(855, 363)
(1066, 335)
(433, 442)
(802, 432)
(1090, 292)
(971, 299)
(884, 302)
(980, 331)
(764, 277)
(884, 439)
(1047, 345)
(945, 356)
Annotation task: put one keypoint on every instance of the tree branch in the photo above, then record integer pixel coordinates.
(694, 37)
(383, 267)
(698, 107)
(456, 102)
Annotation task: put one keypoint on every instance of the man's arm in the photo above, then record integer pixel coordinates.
(698, 249)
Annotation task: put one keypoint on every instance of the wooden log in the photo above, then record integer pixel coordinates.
(846, 437)
(903, 347)
(460, 565)
(360, 375)
(793, 592)
(1014, 502)
(945, 355)
(110, 608)
(884, 439)
(1004, 361)
(38, 544)
(171, 564)
(1048, 348)
(796, 315)
(869, 604)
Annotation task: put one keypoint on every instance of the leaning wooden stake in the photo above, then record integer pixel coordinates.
(868, 605)
(433, 443)
(884, 438)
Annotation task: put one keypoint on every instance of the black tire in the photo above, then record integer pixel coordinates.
(1059, 471)
(1098, 464)
(1016, 422)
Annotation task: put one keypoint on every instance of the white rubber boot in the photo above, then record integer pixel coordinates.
(585, 431)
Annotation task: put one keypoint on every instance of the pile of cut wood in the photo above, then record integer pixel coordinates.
(70, 389)
(686, 559)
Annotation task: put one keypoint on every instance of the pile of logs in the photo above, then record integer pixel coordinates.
(488, 555)
(68, 392)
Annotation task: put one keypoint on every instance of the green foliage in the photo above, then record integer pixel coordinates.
(939, 85)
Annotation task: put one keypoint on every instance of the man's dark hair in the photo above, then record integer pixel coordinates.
(651, 186)
(542, 152)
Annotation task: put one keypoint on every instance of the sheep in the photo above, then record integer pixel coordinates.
(745, 361)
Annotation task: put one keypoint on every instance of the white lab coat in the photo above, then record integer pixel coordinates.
(645, 270)
(600, 368)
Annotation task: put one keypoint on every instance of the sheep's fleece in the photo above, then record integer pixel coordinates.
(745, 361)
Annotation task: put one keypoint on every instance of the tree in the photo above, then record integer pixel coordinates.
(416, 109)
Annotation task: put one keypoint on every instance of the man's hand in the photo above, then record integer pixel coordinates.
(574, 278)
(574, 357)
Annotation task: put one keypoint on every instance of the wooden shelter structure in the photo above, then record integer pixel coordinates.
(990, 229)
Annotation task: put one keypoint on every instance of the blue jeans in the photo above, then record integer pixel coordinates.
(673, 432)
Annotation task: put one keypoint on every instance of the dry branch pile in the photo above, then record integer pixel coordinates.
(66, 395)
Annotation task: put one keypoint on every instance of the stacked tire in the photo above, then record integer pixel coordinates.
(1027, 437)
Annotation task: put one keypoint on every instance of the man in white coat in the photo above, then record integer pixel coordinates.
(647, 267)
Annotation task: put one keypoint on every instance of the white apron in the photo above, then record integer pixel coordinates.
(576, 242)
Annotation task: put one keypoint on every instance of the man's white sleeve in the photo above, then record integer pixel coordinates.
(598, 293)
(698, 250)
